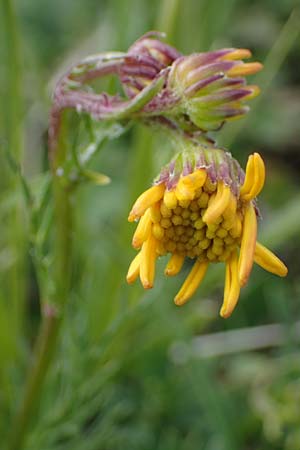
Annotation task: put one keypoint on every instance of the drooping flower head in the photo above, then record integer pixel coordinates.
(202, 206)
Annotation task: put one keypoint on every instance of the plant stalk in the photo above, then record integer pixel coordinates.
(43, 353)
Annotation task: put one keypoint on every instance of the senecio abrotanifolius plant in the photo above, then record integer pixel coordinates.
(202, 205)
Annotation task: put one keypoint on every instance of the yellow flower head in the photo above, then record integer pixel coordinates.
(202, 206)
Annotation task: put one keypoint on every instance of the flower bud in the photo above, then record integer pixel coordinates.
(212, 86)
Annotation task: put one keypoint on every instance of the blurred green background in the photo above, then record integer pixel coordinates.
(132, 371)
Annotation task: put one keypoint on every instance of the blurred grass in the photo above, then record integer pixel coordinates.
(122, 376)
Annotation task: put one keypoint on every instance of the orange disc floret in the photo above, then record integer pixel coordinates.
(202, 207)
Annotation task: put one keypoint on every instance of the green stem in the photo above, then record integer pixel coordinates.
(53, 311)
(42, 357)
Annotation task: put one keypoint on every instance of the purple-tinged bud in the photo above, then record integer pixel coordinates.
(212, 87)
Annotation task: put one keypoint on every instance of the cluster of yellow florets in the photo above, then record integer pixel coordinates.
(180, 226)
(206, 220)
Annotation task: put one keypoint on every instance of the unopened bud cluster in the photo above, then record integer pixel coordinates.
(212, 87)
(195, 93)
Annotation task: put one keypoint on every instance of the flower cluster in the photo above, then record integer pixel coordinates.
(202, 206)
(203, 89)
(195, 93)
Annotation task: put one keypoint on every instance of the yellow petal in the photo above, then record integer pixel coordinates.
(191, 283)
(145, 200)
(249, 177)
(258, 179)
(232, 286)
(227, 282)
(197, 178)
(268, 261)
(245, 69)
(236, 230)
(142, 230)
(230, 212)
(147, 266)
(187, 185)
(218, 205)
(134, 269)
(255, 91)
(174, 265)
(248, 242)
(155, 212)
(239, 53)
(184, 191)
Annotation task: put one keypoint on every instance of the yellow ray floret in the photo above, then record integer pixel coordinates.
(147, 199)
(255, 91)
(245, 69)
(134, 269)
(191, 283)
(142, 230)
(259, 176)
(236, 229)
(147, 264)
(249, 177)
(187, 185)
(239, 53)
(268, 261)
(248, 242)
(255, 178)
(230, 210)
(232, 286)
(174, 265)
(219, 204)
(155, 212)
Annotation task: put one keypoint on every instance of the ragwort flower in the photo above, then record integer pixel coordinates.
(202, 206)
